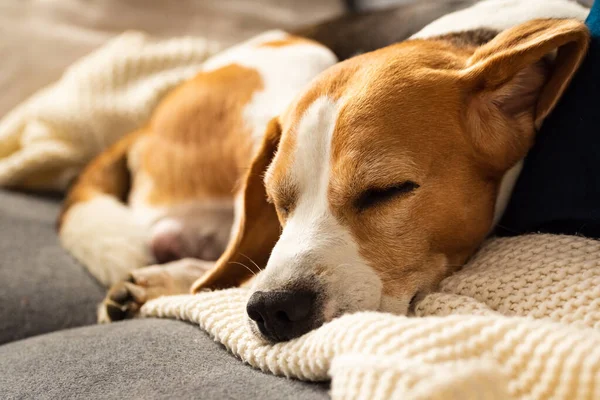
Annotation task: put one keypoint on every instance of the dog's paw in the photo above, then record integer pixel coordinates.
(124, 299)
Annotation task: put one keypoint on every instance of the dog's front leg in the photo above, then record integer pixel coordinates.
(124, 299)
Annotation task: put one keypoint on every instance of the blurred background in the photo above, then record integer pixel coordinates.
(40, 38)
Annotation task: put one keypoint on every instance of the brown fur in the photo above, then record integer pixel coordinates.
(198, 145)
(451, 118)
(106, 174)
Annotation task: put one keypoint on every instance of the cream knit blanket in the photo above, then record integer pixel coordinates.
(520, 321)
(46, 141)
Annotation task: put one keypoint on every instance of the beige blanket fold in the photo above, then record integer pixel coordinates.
(47, 140)
(520, 321)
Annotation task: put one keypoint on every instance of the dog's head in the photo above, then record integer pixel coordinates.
(384, 173)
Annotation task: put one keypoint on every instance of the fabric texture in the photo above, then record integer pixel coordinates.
(42, 288)
(46, 141)
(558, 190)
(142, 359)
(521, 320)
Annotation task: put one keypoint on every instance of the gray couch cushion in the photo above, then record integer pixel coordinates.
(141, 359)
(42, 289)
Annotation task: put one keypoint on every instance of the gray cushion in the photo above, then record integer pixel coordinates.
(141, 359)
(42, 289)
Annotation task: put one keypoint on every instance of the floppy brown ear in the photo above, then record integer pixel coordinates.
(514, 82)
(258, 227)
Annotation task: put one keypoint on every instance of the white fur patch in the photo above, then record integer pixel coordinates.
(500, 15)
(284, 70)
(509, 180)
(238, 210)
(313, 243)
(103, 235)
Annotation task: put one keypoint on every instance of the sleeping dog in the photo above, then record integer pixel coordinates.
(381, 178)
(179, 173)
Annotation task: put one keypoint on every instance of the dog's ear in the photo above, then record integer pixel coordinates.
(514, 81)
(257, 227)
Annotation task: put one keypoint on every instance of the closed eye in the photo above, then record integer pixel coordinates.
(375, 196)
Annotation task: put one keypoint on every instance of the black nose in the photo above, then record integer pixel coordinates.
(282, 315)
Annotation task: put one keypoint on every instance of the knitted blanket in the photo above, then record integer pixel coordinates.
(521, 321)
(45, 141)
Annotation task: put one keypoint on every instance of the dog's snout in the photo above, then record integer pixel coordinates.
(282, 315)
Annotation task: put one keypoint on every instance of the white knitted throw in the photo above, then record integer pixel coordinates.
(520, 321)
(45, 141)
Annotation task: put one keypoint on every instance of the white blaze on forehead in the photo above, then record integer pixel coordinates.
(313, 242)
(311, 224)
(311, 165)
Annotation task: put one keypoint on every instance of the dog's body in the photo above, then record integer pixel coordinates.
(369, 209)
(180, 173)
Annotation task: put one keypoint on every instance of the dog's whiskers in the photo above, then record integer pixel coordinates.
(243, 265)
(252, 261)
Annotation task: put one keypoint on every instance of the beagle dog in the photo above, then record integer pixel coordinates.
(179, 173)
(380, 178)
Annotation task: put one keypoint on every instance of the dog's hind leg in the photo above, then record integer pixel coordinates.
(96, 226)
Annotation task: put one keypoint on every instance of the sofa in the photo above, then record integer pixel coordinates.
(50, 346)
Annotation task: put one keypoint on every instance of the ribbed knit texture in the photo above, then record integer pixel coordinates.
(520, 321)
(46, 141)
